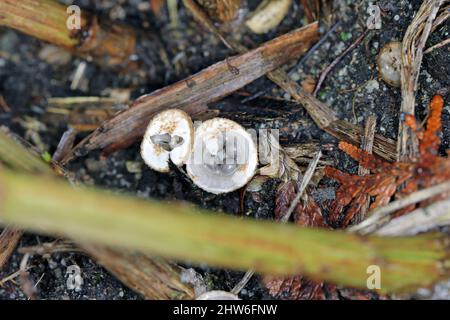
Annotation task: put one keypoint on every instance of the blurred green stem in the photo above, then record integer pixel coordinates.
(183, 232)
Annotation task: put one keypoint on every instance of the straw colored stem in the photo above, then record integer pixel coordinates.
(183, 232)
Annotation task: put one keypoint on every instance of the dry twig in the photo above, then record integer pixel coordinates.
(412, 52)
(420, 220)
(9, 238)
(338, 59)
(27, 286)
(381, 215)
(367, 145)
(305, 181)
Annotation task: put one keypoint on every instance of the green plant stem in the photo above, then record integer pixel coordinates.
(18, 157)
(184, 232)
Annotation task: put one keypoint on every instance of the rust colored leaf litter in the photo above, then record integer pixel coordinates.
(307, 214)
(389, 179)
(382, 181)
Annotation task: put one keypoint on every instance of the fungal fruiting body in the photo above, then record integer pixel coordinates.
(224, 156)
(390, 62)
(169, 136)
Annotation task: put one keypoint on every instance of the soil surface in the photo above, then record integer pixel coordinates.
(32, 72)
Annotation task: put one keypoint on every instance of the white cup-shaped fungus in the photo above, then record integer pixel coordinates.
(169, 135)
(224, 156)
(390, 62)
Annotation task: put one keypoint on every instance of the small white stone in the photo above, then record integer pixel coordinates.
(343, 72)
(372, 85)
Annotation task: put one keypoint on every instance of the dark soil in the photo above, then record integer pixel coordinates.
(353, 89)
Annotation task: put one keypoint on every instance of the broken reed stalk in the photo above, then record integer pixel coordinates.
(110, 46)
(9, 239)
(367, 145)
(184, 232)
(420, 220)
(379, 216)
(305, 181)
(152, 278)
(208, 85)
(413, 45)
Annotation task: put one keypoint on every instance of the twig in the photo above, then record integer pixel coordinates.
(380, 216)
(311, 9)
(65, 144)
(78, 76)
(39, 281)
(154, 278)
(4, 105)
(346, 131)
(305, 181)
(338, 59)
(367, 145)
(51, 248)
(412, 52)
(11, 277)
(27, 286)
(243, 282)
(303, 59)
(302, 153)
(420, 220)
(437, 46)
(172, 6)
(9, 238)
